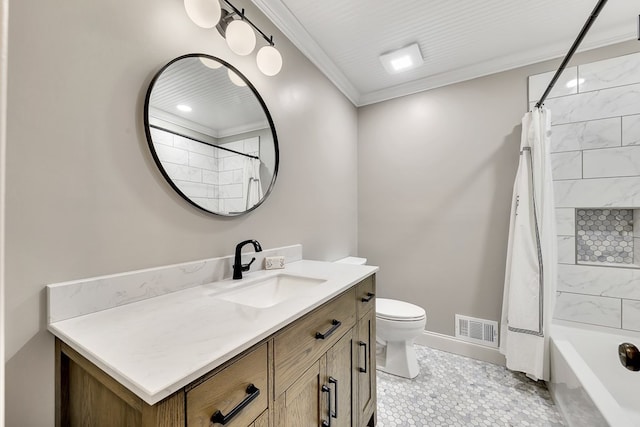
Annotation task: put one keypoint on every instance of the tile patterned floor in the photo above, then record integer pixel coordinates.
(453, 390)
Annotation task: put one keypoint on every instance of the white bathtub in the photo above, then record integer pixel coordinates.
(588, 382)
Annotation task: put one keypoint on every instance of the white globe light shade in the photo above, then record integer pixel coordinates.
(210, 63)
(269, 60)
(235, 79)
(240, 37)
(203, 13)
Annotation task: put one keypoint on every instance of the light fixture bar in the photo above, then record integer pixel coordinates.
(269, 39)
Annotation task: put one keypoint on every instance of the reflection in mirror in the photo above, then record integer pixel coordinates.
(211, 135)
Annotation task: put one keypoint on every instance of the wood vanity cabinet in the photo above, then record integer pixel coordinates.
(365, 365)
(323, 339)
(340, 390)
(317, 371)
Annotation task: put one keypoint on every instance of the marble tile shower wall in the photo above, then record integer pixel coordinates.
(595, 110)
(231, 169)
(211, 177)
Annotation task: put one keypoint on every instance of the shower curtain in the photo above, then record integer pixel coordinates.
(530, 277)
(252, 182)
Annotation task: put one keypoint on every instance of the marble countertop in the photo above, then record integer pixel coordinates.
(156, 346)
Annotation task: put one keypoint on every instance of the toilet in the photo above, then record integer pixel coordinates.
(398, 324)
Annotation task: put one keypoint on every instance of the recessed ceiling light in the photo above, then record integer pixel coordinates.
(574, 82)
(184, 108)
(401, 63)
(403, 59)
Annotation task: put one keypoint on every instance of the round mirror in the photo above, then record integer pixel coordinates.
(211, 135)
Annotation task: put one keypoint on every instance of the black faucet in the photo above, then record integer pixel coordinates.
(238, 266)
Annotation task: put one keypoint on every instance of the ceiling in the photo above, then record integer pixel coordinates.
(219, 107)
(459, 39)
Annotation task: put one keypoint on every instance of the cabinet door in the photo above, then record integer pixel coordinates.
(365, 367)
(300, 405)
(339, 379)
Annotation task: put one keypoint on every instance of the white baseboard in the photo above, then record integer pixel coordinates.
(463, 348)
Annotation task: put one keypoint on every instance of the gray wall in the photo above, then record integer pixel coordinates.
(84, 197)
(435, 177)
(4, 6)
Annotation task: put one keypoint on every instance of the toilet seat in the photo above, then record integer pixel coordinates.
(399, 311)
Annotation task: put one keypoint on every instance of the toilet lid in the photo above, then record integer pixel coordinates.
(392, 309)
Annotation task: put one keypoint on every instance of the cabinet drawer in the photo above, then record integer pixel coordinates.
(229, 389)
(298, 346)
(262, 420)
(365, 295)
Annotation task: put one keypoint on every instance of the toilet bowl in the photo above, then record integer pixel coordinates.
(398, 323)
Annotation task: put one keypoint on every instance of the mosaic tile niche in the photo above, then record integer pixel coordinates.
(605, 236)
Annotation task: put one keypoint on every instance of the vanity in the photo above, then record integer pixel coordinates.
(190, 347)
(187, 345)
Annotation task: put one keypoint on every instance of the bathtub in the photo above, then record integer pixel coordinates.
(588, 382)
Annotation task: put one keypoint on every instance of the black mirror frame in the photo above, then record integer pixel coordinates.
(147, 130)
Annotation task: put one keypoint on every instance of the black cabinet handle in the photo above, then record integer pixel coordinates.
(334, 381)
(368, 297)
(335, 325)
(325, 389)
(366, 356)
(220, 418)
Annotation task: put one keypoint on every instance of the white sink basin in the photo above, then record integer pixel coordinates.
(270, 291)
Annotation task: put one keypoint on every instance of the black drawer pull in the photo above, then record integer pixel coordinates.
(219, 418)
(334, 381)
(369, 296)
(335, 325)
(325, 389)
(366, 356)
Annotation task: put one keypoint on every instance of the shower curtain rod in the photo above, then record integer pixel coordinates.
(572, 50)
(203, 142)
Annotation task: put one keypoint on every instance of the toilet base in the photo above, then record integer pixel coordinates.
(398, 358)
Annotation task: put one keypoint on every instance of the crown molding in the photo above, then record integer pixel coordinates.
(246, 128)
(282, 17)
(166, 117)
(493, 66)
(286, 22)
(182, 122)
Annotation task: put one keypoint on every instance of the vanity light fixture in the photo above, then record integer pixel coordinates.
(210, 63)
(203, 13)
(269, 60)
(240, 37)
(238, 31)
(235, 79)
(404, 59)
